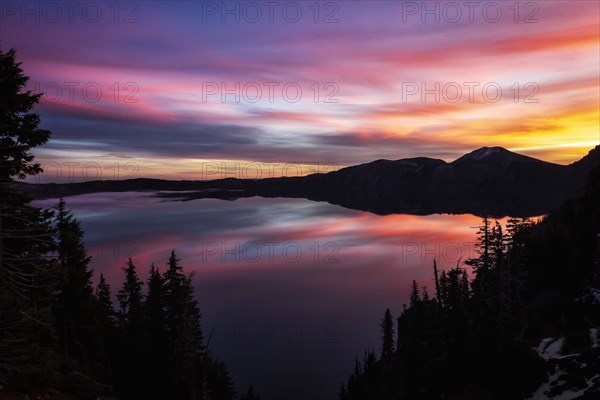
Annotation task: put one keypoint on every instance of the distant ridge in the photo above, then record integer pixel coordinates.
(489, 181)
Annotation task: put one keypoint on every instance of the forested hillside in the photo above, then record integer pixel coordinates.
(525, 324)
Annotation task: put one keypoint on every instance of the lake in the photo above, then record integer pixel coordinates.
(290, 290)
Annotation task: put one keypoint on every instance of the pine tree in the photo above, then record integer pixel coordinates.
(437, 283)
(74, 293)
(424, 294)
(454, 287)
(483, 247)
(174, 310)
(155, 307)
(19, 131)
(157, 348)
(28, 341)
(27, 336)
(106, 312)
(514, 273)
(219, 384)
(105, 330)
(250, 395)
(370, 359)
(191, 351)
(387, 335)
(482, 286)
(184, 331)
(415, 296)
(130, 300)
(131, 382)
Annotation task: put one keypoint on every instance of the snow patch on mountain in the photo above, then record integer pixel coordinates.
(546, 392)
(550, 348)
(484, 152)
(594, 294)
(569, 376)
(594, 338)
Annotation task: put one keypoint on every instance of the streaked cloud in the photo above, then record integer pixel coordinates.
(181, 84)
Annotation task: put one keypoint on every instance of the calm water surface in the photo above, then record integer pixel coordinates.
(291, 290)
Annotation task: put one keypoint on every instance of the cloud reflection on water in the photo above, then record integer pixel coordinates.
(278, 279)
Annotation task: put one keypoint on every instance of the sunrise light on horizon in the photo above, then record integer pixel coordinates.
(175, 86)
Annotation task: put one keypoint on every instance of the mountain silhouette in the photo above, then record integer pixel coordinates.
(489, 181)
(494, 155)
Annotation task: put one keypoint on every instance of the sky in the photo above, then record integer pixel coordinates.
(203, 90)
